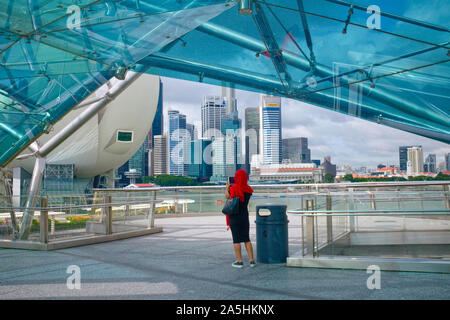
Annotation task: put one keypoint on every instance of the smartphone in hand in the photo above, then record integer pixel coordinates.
(231, 181)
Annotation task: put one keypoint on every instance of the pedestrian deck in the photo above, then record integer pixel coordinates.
(191, 259)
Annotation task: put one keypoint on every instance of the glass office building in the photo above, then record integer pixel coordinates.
(160, 155)
(270, 119)
(226, 157)
(178, 138)
(295, 150)
(252, 125)
(200, 166)
(430, 164)
(213, 109)
(231, 123)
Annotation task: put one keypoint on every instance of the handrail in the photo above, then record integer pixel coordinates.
(373, 214)
(356, 193)
(301, 190)
(283, 186)
(96, 205)
(366, 211)
(383, 213)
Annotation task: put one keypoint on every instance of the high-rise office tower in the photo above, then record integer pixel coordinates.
(415, 159)
(192, 130)
(441, 166)
(270, 129)
(160, 154)
(192, 135)
(230, 127)
(295, 150)
(231, 123)
(226, 150)
(139, 161)
(244, 162)
(447, 162)
(233, 155)
(157, 129)
(316, 162)
(218, 159)
(158, 121)
(213, 109)
(225, 157)
(328, 166)
(135, 168)
(403, 157)
(178, 139)
(200, 167)
(229, 96)
(252, 123)
(430, 164)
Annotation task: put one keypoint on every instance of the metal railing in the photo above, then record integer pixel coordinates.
(134, 207)
(102, 214)
(355, 220)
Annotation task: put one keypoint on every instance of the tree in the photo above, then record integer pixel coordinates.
(442, 177)
(329, 178)
(168, 180)
(348, 177)
(148, 179)
(420, 178)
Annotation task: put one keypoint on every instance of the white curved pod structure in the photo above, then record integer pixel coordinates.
(109, 138)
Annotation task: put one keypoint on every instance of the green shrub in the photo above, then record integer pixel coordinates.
(74, 222)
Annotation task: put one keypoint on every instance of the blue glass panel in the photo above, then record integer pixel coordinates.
(389, 66)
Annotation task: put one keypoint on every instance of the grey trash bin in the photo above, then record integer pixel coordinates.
(271, 233)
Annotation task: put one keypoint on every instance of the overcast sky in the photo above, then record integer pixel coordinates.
(348, 140)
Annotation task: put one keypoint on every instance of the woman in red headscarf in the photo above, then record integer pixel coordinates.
(239, 224)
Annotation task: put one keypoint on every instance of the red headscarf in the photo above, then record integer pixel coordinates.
(238, 188)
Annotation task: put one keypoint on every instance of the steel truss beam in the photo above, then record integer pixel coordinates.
(377, 93)
(392, 16)
(274, 85)
(271, 44)
(306, 30)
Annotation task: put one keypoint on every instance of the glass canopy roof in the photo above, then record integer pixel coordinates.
(383, 61)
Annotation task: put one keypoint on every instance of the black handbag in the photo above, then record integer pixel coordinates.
(231, 207)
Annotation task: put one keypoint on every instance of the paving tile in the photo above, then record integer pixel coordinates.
(191, 259)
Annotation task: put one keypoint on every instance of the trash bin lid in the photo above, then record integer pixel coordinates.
(271, 212)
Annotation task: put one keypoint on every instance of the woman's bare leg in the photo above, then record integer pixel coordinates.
(237, 251)
(248, 246)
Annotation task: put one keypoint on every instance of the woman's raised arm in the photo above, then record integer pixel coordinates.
(227, 191)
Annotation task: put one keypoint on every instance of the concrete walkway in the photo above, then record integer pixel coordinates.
(191, 259)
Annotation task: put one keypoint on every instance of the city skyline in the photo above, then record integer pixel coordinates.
(348, 140)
